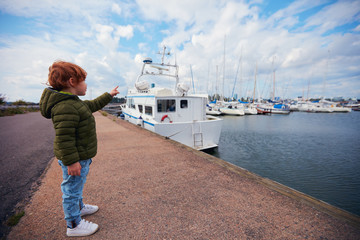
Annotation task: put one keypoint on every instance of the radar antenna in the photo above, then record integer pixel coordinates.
(163, 54)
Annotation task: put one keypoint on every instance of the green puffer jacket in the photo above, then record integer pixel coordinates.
(74, 124)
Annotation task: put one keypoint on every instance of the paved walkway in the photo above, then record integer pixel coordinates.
(26, 146)
(148, 187)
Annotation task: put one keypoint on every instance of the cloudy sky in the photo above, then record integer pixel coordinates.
(310, 47)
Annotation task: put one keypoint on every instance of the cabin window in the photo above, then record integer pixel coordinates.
(148, 110)
(130, 103)
(166, 105)
(140, 107)
(184, 103)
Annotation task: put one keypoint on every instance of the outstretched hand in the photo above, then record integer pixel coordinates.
(114, 92)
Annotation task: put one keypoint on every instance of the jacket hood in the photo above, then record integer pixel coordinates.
(50, 98)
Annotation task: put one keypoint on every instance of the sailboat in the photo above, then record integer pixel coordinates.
(211, 109)
(273, 106)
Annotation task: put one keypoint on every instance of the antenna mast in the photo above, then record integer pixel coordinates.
(255, 83)
(223, 84)
(273, 97)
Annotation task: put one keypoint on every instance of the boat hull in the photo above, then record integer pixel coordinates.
(199, 135)
(250, 111)
(233, 112)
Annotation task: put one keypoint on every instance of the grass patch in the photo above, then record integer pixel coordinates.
(104, 113)
(17, 110)
(13, 220)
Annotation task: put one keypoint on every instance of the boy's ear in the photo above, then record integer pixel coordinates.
(72, 82)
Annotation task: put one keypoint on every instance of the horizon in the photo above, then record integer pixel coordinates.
(334, 99)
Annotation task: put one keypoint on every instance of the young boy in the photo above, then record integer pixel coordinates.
(75, 141)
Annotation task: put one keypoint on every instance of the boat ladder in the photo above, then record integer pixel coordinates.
(197, 135)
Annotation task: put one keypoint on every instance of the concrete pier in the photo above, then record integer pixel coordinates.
(148, 187)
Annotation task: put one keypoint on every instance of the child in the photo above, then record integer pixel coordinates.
(75, 141)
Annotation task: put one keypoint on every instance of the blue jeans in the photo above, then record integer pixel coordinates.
(72, 189)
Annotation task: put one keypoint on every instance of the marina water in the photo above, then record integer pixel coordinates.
(315, 153)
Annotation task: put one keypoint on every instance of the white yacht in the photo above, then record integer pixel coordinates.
(334, 106)
(172, 113)
(212, 111)
(231, 108)
(314, 107)
(250, 109)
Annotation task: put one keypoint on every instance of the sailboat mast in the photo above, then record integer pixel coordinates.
(240, 89)
(325, 77)
(208, 79)
(192, 79)
(223, 83)
(217, 82)
(274, 87)
(273, 93)
(232, 94)
(255, 84)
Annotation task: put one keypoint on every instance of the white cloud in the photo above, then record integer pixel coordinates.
(116, 8)
(81, 40)
(125, 31)
(44, 8)
(105, 36)
(332, 16)
(300, 55)
(357, 29)
(163, 10)
(111, 49)
(25, 63)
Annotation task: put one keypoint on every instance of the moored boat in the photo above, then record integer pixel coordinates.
(212, 111)
(334, 107)
(172, 113)
(231, 108)
(313, 107)
(250, 110)
(274, 109)
(263, 110)
(114, 109)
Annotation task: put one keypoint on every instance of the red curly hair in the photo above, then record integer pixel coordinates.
(60, 72)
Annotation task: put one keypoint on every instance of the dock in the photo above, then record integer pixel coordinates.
(149, 187)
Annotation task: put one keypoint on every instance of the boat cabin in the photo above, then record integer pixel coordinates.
(164, 107)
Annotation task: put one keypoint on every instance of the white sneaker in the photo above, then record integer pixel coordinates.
(88, 209)
(84, 228)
